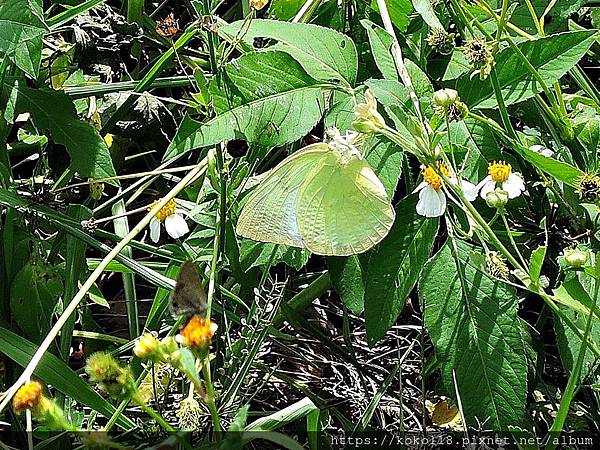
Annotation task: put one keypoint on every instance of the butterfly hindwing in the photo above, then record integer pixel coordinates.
(189, 297)
(343, 209)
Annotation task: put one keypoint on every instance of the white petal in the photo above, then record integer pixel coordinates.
(514, 185)
(154, 229)
(431, 203)
(420, 186)
(176, 226)
(486, 186)
(469, 189)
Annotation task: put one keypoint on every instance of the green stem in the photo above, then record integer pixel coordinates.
(159, 419)
(567, 398)
(210, 398)
(501, 105)
(511, 239)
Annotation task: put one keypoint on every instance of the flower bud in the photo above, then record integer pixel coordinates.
(441, 41)
(28, 396)
(368, 119)
(444, 97)
(146, 347)
(497, 198)
(575, 257)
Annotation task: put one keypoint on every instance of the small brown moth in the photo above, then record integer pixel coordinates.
(189, 296)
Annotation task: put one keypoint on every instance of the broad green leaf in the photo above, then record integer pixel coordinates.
(54, 111)
(551, 56)
(381, 43)
(457, 66)
(394, 267)
(560, 170)
(425, 10)
(573, 295)
(324, 53)
(347, 278)
(21, 29)
(536, 261)
(285, 9)
(31, 302)
(259, 254)
(277, 102)
(422, 85)
(396, 100)
(385, 158)
(473, 323)
(399, 10)
(57, 373)
(569, 343)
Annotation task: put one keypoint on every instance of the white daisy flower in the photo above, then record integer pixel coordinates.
(432, 193)
(173, 219)
(502, 176)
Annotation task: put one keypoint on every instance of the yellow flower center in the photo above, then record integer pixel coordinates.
(432, 178)
(198, 332)
(499, 171)
(166, 211)
(28, 396)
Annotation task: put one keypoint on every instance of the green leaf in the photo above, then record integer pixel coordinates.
(21, 29)
(385, 157)
(536, 260)
(324, 53)
(275, 102)
(569, 343)
(347, 278)
(399, 10)
(394, 267)
(285, 9)
(551, 56)
(555, 20)
(426, 11)
(258, 254)
(54, 111)
(558, 169)
(381, 43)
(472, 320)
(57, 373)
(31, 304)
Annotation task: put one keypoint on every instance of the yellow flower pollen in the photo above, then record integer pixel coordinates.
(198, 332)
(166, 211)
(431, 177)
(499, 171)
(28, 396)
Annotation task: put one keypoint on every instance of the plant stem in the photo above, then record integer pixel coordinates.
(567, 398)
(210, 398)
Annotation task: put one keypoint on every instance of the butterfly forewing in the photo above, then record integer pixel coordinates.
(189, 297)
(269, 215)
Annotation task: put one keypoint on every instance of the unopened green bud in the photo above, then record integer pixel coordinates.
(445, 97)
(146, 347)
(497, 198)
(368, 119)
(575, 257)
(96, 189)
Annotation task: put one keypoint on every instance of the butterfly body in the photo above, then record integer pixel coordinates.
(325, 198)
(189, 297)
